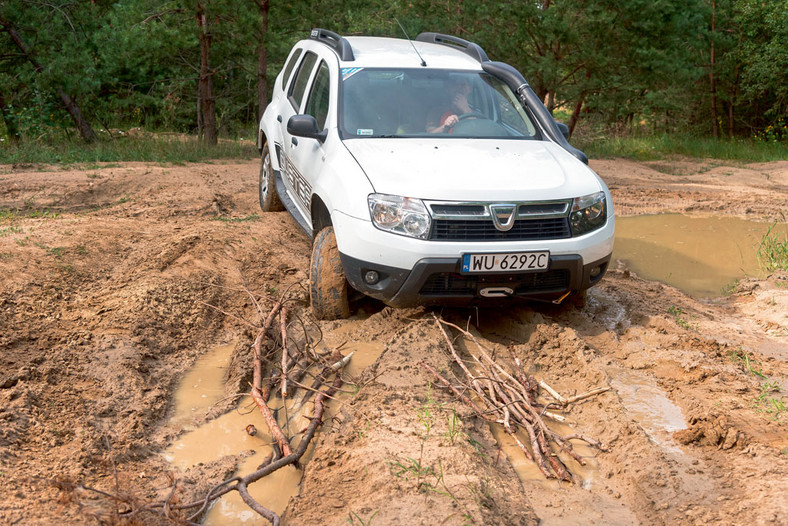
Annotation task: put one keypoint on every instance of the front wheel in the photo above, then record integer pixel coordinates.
(269, 199)
(328, 291)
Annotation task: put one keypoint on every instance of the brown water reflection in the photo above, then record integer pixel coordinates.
(699, 255)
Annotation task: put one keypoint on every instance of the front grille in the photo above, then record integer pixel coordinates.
(484, 230)
(454, 284)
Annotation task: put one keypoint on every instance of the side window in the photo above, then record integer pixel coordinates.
(298, 87)
(289, 67)
(319, 96)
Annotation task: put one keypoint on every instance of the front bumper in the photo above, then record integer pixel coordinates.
(438, 281)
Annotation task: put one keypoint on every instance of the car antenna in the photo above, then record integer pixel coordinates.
(424, 64)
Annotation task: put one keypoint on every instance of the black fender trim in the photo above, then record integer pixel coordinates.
(290, 205)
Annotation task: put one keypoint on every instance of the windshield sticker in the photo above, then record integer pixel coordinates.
(349, 72)
(365, 131)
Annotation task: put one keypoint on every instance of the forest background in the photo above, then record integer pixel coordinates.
(88, 68)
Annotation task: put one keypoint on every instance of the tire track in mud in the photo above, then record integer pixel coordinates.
(664, 378)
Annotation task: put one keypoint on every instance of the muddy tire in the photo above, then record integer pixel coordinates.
(328, 288)
(269, 199)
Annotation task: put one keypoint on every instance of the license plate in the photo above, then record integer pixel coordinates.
(511, 262)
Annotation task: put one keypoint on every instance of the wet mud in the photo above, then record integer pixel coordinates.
(120, 283)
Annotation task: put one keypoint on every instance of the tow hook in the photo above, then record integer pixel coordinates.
(497, 292)
(562, 298)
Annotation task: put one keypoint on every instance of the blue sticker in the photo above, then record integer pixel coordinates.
(365, 131)
(349, 72)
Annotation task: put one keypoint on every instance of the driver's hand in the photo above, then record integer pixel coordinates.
(450, 121)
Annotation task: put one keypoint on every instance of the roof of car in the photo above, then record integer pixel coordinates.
(398, 52)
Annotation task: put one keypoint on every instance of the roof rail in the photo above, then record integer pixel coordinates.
(334, 41)
(469, 48)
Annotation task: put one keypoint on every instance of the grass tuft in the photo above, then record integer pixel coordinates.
(176, 149)
(657, 147)
(773, 250)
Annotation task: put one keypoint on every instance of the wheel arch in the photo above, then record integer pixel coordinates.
(261, 140)
(321, 217)
(273, 148)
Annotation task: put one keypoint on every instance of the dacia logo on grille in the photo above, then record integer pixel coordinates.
(503, 216)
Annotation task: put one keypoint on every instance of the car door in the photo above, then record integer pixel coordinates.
(306, 156)
(297, 191)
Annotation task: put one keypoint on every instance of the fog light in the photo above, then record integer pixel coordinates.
(596, 271)
(371, 277)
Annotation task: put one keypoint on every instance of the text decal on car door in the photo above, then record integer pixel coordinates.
(300, 186)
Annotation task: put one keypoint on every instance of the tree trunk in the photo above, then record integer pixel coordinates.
(550, 101)
(576, 113)
(734, 95)
(10, 125)
(712, 76)
(80, 122)
(578, 107)
(83, 126)
(206, 101)
(262, 59)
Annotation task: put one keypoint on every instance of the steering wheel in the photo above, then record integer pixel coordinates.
(471, 115)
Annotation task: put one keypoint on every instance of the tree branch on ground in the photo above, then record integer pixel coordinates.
(269, 366)
(511, 399)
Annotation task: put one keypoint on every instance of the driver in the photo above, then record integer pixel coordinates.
(459, 89)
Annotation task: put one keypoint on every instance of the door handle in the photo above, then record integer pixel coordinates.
(294, 141)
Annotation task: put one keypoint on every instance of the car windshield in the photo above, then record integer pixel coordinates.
(438, 103)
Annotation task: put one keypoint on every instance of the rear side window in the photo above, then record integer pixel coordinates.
(319, 95)
(298, 87)
(289, 67)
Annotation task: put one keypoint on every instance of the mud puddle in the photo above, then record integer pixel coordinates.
(226, 435)
(529, 473)
(201, 388)
(702, 256)
(649, 406)
(558, 503)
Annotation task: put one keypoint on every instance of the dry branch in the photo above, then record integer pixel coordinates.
(510, 399)
(276, 363)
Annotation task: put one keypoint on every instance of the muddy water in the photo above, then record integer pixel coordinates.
(649, 406)
(203, 386)
(527, 470)
(555, 502)
(699, 255)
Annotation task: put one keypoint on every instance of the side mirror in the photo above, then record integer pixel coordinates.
(305, 126)
(564, 129)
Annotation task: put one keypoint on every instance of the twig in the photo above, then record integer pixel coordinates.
(276, 431)
(552, 392)
(283, 329)
(589, 394)
(510, 401)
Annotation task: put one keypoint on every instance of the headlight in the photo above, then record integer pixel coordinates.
(400, 215)
(588, 213)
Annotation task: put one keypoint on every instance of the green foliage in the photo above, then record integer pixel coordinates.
(147, 148)
(658, 146)
(628, 67)
(773, 133)
(773, 249)
(746, 362)
(678, 317)
(353, 517)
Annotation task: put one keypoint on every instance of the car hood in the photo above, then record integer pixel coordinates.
(472, 169)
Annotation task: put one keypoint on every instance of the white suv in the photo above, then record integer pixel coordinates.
(427, 174)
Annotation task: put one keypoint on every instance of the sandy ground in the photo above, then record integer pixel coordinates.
(108, 275)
